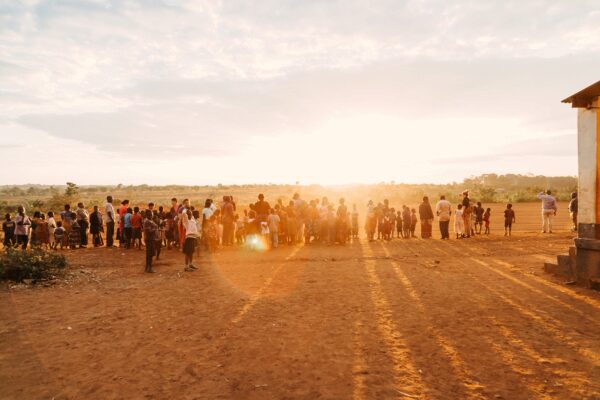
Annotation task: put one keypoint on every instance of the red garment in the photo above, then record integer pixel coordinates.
(136, 220)
(122, 212)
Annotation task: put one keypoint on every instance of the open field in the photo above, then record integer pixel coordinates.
(473, 318)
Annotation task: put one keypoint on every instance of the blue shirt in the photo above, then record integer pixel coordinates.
(127, 221)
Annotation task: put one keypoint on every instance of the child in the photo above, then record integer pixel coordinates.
(386, 229)
(74, 233)
(59, 236)
(413, 222)
(406, 221)
(273, 221)
(478, 218)
(251, 230)
(486, 220)
(191, 236)
(150, 235)
(239, 229)
(42, 232)
(127, 230)
(8, 227)
(509, 219)
(51, 228)
(136, 228)
(459, 223)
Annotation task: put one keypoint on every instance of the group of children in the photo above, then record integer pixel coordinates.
(40, 230)
(385, 221)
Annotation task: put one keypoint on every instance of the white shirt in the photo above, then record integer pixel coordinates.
(109, 211)
(208, 212)
(51, 225)
(191, 229)
(442, 209)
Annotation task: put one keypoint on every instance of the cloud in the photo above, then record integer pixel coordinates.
(220, 78)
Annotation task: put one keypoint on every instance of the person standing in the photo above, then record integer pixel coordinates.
(426, 217)
(228, 220)
(548, 210)
(96, 227)
(443, 209)
(509, 219)
(459, 222)
(573, 205)
(182, 220)
(478, 212)
(150, 234)
(51, 227)
(8, 227)
(191, 237)
(262, 208)
(466, 213)
(22, 225)
(109, 211)
(65, 217)
(83, 220)
(122, 212)
(273, 221)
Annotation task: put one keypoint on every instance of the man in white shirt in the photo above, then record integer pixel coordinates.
(548, 210)
(443, 210)
(109, 212)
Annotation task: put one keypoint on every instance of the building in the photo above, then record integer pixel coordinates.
(583, 262)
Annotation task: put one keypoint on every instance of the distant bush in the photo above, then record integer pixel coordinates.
(37, 264)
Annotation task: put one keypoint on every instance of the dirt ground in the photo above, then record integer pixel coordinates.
(427, 319)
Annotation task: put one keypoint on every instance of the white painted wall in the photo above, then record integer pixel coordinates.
(587, 121)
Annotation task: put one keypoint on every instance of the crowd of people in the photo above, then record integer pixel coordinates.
(258, 226)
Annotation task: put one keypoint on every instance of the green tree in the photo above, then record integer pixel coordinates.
(71, 190)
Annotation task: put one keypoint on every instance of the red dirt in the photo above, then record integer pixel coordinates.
(473, 318)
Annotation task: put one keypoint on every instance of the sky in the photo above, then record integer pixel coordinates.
(276, 91)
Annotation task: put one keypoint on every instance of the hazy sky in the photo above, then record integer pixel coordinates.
(280, 91)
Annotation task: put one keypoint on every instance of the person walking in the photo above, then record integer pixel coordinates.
(109, 212)
(443, 210)
(548, 210)
(426, 217)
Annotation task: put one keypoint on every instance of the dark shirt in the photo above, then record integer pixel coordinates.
(573, 205)
(8, 227)
(509, 215)
(262, 207)
(425, 211)
(150, 229)
(479, 213)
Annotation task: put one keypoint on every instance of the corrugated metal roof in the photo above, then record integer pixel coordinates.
(584, 98)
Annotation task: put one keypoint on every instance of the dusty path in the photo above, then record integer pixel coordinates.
(408, 319)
